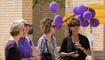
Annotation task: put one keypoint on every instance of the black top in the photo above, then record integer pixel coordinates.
(11, 51)
(70, 48)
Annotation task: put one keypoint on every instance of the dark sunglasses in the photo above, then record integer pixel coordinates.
(26, 24)
(53, 26)
(74, 25)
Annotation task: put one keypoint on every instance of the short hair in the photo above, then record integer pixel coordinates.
(23, 21)
(16, 27)
(45, 25)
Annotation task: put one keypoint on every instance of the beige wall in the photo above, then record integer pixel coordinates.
(11, 10)
(27, 12)
(99, 44)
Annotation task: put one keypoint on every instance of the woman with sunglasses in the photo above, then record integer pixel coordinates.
(47, 42)
(75, 46)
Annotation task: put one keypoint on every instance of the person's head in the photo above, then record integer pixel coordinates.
(26, 26)
(73, 26)
(47, 26)
(16, 29)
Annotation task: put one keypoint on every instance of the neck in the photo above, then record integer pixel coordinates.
(49, 35)
(16, 38)
(75, 34)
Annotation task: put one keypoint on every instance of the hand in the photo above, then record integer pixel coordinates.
(34, 51)
(73, 54)
(24, 58)
(88, 50)
(78, 46)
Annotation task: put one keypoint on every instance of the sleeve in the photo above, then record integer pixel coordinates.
(63, 46)
(86, 43)
(39, 46)
(10, 53)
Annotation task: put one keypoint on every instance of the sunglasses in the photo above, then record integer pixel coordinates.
(53, 26)
(74, 25)
(26, 24)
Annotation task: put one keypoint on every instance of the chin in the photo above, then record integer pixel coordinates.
(53, 33)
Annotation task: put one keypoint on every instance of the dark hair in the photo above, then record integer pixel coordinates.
(73, 21)
(30, 29)
(45, 25)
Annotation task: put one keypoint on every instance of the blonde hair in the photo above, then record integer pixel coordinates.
(45, 25)
(16, 27)
(23, 21)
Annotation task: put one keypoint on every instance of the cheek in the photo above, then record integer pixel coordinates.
(52, 29)
(71, 28)
(21, 34)
(26, 29)
(78, 28)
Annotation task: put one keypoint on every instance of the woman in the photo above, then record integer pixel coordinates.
(75, 46)
(26, 46)
(11, 50)
(47, 42)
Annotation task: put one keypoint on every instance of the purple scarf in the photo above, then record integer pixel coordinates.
(25, 48)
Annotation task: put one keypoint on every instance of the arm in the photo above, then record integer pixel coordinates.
(72, 54)
(86, 47)
(10, 54)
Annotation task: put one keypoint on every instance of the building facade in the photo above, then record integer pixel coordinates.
(11, 10)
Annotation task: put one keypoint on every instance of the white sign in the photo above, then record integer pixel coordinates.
(92, 37)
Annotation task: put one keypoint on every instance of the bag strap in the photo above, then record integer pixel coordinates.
(46, 44)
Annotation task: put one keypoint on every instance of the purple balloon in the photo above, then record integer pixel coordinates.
(58, 21)
(75, 10)
(82, 9)
(80, 17)
(58, 26)
(92, 11)
(87, 15)
(84, 23)
(54, 7)
(94, 22)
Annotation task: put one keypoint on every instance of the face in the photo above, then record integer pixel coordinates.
(21, 34)
(75, 28)
(52, 29)
(26, 26)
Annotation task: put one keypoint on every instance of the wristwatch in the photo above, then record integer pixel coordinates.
(67, 54)
(83, 49)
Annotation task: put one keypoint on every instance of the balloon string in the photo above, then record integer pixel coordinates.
(90, 29)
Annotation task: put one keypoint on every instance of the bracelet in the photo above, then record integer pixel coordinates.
(83, 49)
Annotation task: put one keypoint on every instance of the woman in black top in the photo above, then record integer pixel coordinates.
(75, 46)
